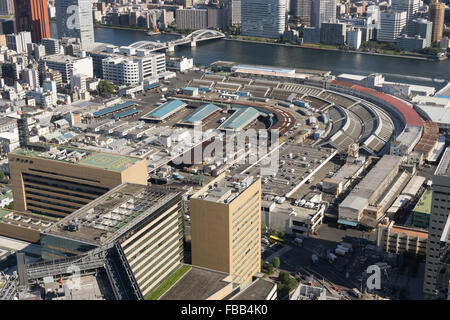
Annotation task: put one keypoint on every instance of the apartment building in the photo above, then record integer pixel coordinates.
(67, 65)
(226, 227)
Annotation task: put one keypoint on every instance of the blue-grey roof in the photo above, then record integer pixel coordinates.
(126, 113)
(114, 108)
(240, 118)
(166, 109)
(201, 113)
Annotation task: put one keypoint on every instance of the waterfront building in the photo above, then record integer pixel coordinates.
(392, 24)
(411, 43)
(301, 9)
(234, 12)
(32, 15)
(226, 227)
(354, 38)
(74, 20)
(311, 35)
(263, 18)
(440, 210)
(192, 19)
(56, 180)
(322, 11)
(436, 16)
(333, 33)
(423, 28)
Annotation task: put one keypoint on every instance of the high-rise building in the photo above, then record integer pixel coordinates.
(302, 10)
(263, 18)
(333, 33)
(354, 38)
(32, 15)
(392, 24)
(6, 7)
(436, 14)
(440, 210)
(226, 227)
(51, 46)
(74, 20)
(422, 28)
(58, 180)
(322, 11)
(410, 6)
(234, 12)
(18, 42)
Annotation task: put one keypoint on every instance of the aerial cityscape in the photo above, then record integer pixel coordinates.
(226, 150)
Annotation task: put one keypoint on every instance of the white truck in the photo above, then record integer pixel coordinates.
(298, 241)
(343, 248)
(346, 244)
(331, 257)
(315, 258)
(340, 252)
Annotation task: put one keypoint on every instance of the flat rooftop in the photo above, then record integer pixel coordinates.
(424, 203)
(109, 216)
(197, 284)
(82, 157)
(25, 220)
(258, 290)
(226, 189)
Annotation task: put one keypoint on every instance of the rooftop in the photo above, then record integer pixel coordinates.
(197, 284)
(226, 189)
(109, 216)
(201, 113)
(424, 203)
(165, 110)
(258, 290)
(82, 157)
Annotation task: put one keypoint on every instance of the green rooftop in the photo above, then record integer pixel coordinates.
(168, 283)
(424, 204)
(107, 161)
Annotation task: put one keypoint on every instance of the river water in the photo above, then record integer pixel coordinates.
(431, 73)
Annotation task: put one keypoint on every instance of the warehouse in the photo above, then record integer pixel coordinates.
(200, 114)
(165, 110)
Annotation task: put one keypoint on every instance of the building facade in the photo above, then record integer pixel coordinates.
(263, 18)
(226, 227)
(74, 20)
(436, 16)
(322, 11)
(440, 210)
(392, 24)
(32, 15)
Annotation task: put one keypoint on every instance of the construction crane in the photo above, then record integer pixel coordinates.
(151, 15)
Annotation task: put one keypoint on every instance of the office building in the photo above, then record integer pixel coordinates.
(392, 24)
(58, 180)
(301, 9)
(226, 227)
(354, 38)
(422, 28)
(7, 26)
(32, 15)
(333, 33)
(311, 35)
(67, 65)
(126, 65)
(51, 46)
(411, 44)
(322, 11)
(31, 77)
(18, 42)
(263, 18)
(234, 11)
(139, 228)
(6, 7)
(192, 19)
(74, 20)
(436, 16)
(440, 210)
(410, 6)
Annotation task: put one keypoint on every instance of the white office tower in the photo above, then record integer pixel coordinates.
(263, 18)
(74, 20)
(392, 24)
(373, 16)
(322, 11)
(18, 42)
(410, 6)
(302, 10)
(440, 209)
(31, 77)
(234, 7)
(354, 38)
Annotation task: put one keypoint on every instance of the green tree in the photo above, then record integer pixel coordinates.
(2, 176)
(276, 262)
(105, 87)
(10, 206)
(286, 284)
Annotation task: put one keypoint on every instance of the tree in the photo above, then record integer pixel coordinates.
(2, 176)
(105, 87)
(10, 206)
(276, 262)
(286, 284)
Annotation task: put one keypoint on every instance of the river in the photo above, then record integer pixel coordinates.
(431, 73)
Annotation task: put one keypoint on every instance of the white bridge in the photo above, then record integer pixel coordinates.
(191, 39)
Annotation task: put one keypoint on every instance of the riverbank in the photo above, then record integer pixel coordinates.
(132, 28)
(306, 46)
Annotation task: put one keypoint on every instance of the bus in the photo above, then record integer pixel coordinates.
(276, 239)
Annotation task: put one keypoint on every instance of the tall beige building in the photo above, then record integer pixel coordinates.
(58, 180)
(437, 11)
(226, 227)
